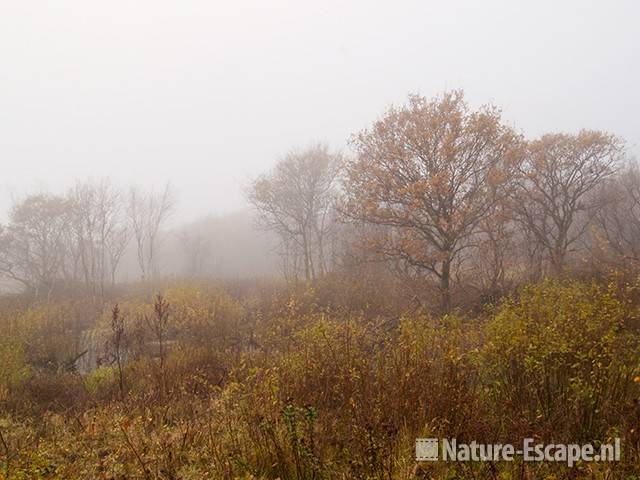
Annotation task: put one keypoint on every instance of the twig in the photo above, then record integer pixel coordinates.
(135, 452)
(6, 450)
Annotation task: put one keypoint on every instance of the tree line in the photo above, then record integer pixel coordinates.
(80, 237)
(448, 196)
(454, 196)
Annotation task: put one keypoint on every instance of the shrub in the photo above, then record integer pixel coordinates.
(14, 368)
(560, 360)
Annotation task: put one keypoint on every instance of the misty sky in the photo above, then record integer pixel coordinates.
(207, 94)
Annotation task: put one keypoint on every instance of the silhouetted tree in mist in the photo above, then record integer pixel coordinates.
(615, 234)
(100, 232)
(148, 211)
(296, 201)
(32, 246)
(553, 188)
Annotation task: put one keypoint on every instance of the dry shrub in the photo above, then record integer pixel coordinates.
(561, 361)
(285, 388)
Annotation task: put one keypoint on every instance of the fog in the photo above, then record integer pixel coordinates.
(278, 239)
(207, 95)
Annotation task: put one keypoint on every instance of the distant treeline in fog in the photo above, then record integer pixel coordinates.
(99, 234)
(444, 196)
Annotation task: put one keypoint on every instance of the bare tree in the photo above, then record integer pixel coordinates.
(616, 232)
(147, 212)
(197, 250)
(296, 201)
(32, 248)
(159, 323)
(553, 187)
(100, 229)
(115, 248)
(492, 253)
(117, 344)
(430, 172)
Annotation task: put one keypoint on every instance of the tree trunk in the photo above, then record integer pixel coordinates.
(557, 258)
(305, 255)
(445, 288)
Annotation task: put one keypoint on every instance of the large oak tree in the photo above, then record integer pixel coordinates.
(431, 171)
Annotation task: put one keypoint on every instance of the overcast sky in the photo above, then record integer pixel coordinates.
(207, 94)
